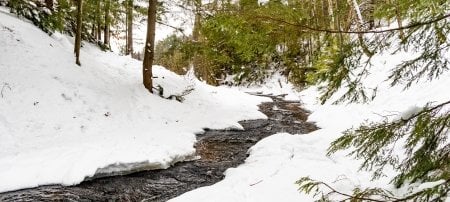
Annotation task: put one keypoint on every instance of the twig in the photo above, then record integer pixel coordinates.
(178, 29)
(351, 196)
(388, 198)
(5, 85)
(256, 183)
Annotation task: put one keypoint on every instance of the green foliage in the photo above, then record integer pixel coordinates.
(174, 53)
(428, 40)
(62, 16)
(426, 147)
(324, 192)
(236, 45)
(49, 20)
(311, 42)
(344, 61)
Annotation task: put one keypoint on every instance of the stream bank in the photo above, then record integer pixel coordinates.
(218, 149)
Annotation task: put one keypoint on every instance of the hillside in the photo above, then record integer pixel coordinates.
(61, 123)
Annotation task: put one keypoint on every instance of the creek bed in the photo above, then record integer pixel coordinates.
(218, 149)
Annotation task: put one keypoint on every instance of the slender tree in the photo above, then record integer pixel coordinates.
(99, 21)
(129, 48)
(78, 33)
(149, 46)
(107, 23)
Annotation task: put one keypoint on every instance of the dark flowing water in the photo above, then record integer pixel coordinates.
(218, 149)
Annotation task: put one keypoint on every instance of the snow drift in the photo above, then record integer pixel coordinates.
(61, 123)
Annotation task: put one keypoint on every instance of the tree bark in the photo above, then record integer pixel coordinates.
(129, 28)
(78, 34)
(399, 22)
(107, 23)
(200, 70)
(197, 19)
(49, 4)
(149, 46)
(98, 32)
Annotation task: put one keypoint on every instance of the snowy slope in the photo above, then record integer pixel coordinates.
(277, 162)
(60, 123)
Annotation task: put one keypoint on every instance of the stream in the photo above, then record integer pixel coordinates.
(218, 149)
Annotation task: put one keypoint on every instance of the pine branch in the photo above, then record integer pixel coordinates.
(351, 197)
(406, 120)
(307, 185)
(317, 29)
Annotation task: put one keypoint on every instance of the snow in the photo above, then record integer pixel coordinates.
(278, 161)
(428, 185)
(411, 111)
(61, 123)
(277, 84)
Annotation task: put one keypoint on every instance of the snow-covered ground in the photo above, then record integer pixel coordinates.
(60, 123)
(278, 161)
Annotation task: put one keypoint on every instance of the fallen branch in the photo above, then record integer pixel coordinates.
(5, 86)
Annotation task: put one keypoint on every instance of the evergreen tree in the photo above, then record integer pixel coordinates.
(425, 133)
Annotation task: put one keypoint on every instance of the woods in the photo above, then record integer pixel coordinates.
(330, 44)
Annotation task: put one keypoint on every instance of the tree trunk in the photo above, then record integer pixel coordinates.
(107, 23)
(98, 20)
(149, 46)
(358, 12)
(49, 4)
(196, 63)
(197, 25)
(129, 28)
(371, 10)
(78, 34)
(399, 22)
(331, 13)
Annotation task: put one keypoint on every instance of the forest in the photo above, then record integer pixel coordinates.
(351, 52)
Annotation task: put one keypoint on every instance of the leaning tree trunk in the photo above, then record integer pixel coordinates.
(78, 34)
(149, 46)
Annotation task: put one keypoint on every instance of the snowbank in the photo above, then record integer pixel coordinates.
(277, 162)
(61, 123)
